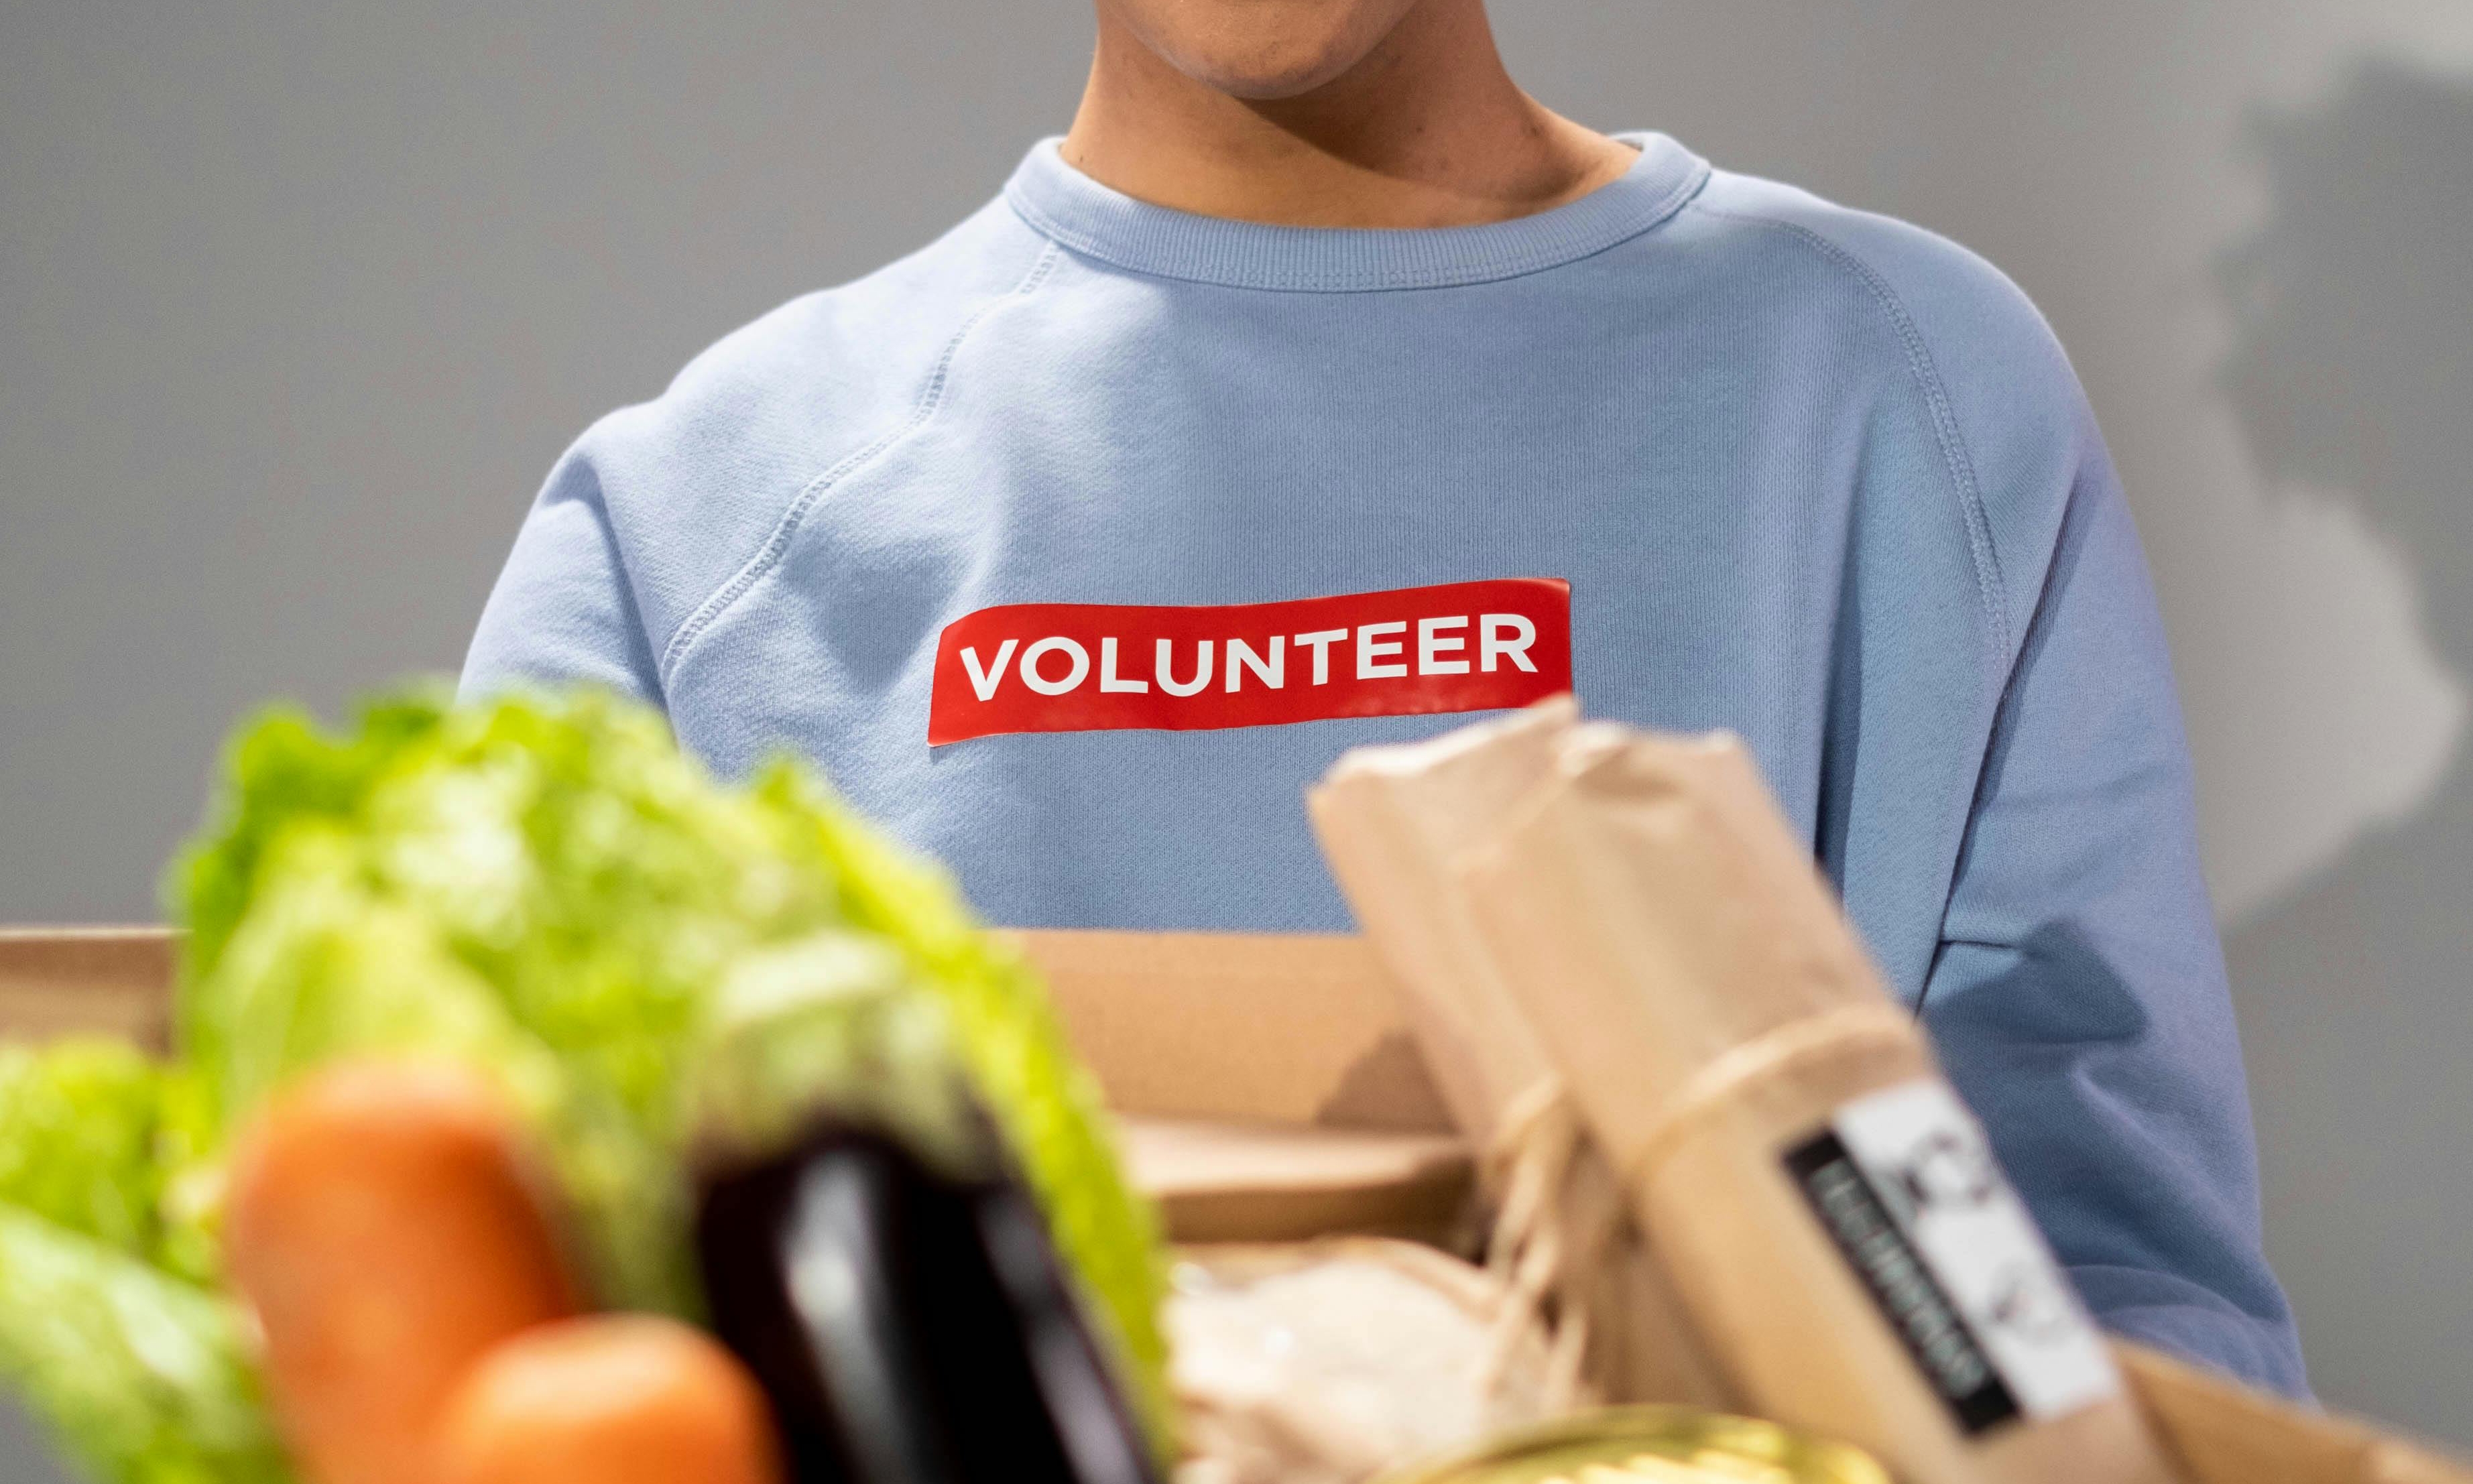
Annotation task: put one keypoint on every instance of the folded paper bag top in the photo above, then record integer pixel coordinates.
(1829, 1215)
(1406, 824)
(1659, 865)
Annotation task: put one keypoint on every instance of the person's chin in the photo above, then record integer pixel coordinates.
(1275, 51)
(1268, 76)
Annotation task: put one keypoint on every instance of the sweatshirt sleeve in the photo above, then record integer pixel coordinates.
(563, 612)
(2017, 768)
(2078, 996)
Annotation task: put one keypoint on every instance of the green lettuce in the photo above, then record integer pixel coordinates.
(108, 1326)
(548, 889)
(832, 1021)
(78, 1123)
(145, 1378)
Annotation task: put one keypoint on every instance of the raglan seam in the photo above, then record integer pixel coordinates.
(1960, 469)
(1997, 740)
(776, 544)
(1957, 462)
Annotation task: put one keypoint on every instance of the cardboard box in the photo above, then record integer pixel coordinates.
(114, 980)
(1294, 1033)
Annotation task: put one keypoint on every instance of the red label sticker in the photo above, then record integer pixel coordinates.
(1099, 667)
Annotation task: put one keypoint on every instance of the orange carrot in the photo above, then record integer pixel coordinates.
(384, 1228)
(619, 1399)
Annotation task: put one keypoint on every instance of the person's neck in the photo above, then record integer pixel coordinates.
(1427, 131)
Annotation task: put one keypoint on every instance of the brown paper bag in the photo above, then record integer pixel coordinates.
(1828, 1213)
(1565, 1244)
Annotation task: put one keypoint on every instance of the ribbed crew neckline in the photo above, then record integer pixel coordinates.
(1098, 221)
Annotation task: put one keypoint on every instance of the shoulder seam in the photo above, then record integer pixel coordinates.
(769, 556)
(1960, 466)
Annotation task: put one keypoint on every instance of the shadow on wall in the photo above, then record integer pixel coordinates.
(2352, 373)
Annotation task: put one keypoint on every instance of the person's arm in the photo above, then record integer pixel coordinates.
(563, 612)
(2078, 996)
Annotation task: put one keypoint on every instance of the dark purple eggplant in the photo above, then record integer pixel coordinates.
(910, 1323)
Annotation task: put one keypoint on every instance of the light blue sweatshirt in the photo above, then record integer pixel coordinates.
(1810, 475)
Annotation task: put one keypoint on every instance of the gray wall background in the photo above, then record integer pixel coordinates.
(297, 303)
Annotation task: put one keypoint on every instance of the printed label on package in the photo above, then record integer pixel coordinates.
(1101, 666)
(1906, 1185)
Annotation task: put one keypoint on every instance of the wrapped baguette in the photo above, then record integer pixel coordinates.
(1829, 1215)
(1565, 1246)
